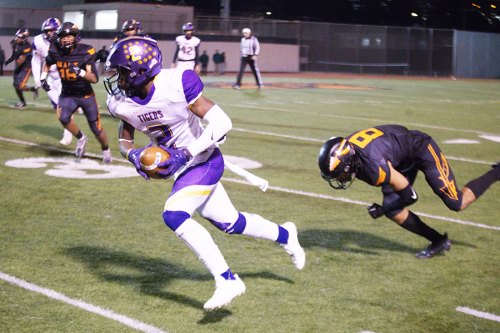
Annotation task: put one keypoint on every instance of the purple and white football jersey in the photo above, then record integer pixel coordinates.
(164, 114)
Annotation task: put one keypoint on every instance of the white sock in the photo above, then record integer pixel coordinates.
(202, 243)
(259, 227)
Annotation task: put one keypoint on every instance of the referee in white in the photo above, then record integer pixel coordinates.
(250, 49)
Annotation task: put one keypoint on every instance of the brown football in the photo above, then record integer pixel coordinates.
(150, 158)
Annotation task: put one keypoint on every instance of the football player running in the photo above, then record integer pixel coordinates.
(186, 53)
(390, 156)
(76, 65)
(52, 81)
(167, 105)
(21, 55)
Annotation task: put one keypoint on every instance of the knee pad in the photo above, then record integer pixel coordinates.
(95, 127)
(232, 228)
(64, 117)
(173, 220)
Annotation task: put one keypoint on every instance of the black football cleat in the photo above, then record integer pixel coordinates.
(435, 248)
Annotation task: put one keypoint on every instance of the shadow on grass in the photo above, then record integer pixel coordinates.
(150, 276)
(55, 131)
(352, 242)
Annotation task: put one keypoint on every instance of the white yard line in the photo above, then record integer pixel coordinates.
(479, 314)
(130, 322)
(363, 203)
(302, 138)
(292, 191)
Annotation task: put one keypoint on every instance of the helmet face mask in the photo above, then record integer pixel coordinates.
(337, 161)
(64, 34)
(131, 64)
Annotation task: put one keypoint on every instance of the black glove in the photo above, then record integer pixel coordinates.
(375, 211)
(45, 85)
(8, 61)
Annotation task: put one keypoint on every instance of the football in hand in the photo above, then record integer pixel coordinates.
(150, 158)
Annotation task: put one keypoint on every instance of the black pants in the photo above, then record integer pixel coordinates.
(253, 66)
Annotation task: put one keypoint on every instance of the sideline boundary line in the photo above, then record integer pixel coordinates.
(479, 314)
(276, 188)
(140, 326)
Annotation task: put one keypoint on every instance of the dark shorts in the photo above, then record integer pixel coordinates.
(69, 104)
(21, 78)
(431, 161)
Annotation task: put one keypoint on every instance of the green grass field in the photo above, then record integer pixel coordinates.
(101, 240)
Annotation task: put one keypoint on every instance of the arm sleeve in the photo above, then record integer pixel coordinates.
(218, 125)
(407, 196)
(36, 68)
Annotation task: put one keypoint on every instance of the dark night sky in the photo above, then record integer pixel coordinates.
(473, 15)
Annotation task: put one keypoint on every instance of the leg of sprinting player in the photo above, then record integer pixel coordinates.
(90, 109)
(53, 93)
(231, 221)
(441, 179)
(198, 189)
(65, 110)
(22, 101)
(476, 187)
(411, 222)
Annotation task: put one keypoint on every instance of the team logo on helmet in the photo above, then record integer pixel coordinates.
(22, 33)
(132, 62)
(337, 162)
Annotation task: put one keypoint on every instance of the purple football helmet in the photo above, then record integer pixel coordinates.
(188, 27)
(132, 62)
(51, 23)
(50, 26)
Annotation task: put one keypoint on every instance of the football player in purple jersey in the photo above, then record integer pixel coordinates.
(167, 105)
(75, 62)
(390, 156)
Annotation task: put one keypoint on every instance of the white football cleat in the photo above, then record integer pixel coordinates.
(106, 156)
(80, 146)
(293, 247)
(67, 137)
(225, 292)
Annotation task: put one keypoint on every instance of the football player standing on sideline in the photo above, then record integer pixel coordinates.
(249, 49)
(390, 156)
(41, 45)
(186, 53)
(167, 105)
(21, 55)
(76, 65)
